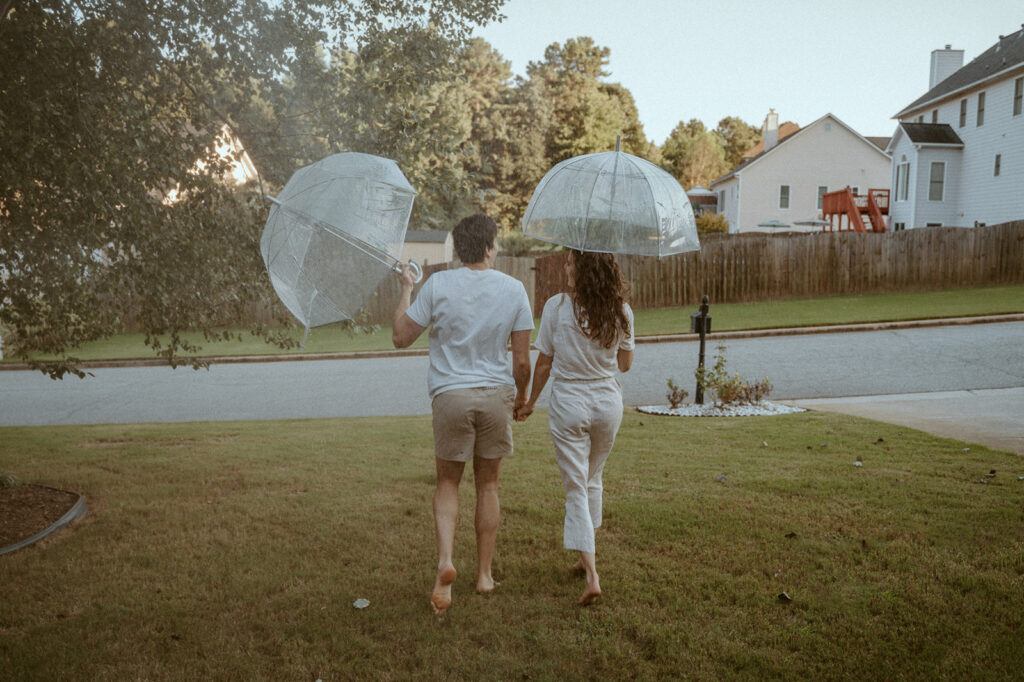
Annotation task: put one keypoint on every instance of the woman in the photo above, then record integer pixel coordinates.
(585, 339)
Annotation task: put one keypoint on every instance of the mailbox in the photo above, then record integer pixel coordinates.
(695, 319)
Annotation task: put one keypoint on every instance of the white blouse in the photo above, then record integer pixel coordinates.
(576, 357)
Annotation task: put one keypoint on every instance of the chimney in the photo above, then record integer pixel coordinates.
(770, 130)
(945, 63)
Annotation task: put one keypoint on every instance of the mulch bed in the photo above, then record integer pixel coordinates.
(29, 509)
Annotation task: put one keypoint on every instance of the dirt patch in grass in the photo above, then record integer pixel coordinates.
(29, 509)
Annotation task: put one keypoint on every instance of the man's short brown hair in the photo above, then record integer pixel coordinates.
(472, 236)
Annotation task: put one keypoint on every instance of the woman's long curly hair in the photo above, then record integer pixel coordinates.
(599, 291)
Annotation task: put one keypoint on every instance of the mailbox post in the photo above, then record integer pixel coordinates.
(700, 322)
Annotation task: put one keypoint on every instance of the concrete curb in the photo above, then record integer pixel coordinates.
(663, 338)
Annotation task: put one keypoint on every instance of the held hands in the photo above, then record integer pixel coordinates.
(522, 410)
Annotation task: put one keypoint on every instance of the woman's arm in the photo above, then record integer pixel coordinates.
(625, 360)
(541, 372)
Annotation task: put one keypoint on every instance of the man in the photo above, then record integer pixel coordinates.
(473, 312)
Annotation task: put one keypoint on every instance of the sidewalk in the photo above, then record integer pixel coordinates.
(992, 417)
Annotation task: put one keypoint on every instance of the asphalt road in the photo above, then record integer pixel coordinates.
(804, 366)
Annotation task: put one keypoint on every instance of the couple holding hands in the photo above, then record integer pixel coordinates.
(585, 341)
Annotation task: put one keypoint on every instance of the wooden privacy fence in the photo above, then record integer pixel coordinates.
(753, 267)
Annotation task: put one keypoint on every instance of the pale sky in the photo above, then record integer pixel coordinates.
(682, 59)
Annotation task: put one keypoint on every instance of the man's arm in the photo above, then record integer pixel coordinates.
(403, 330)
(521, 365)
(541, 373)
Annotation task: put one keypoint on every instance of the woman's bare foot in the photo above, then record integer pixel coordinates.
(441, 597)
(578, 567)
(590, 594)
(486, 584)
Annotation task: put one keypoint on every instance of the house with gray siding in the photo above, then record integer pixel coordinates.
(958, 151)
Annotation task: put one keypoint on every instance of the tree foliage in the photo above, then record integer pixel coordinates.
(693, 154)
(111, 106)
(737, 137)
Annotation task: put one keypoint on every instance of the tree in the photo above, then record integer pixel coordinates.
(737, 137)
(587, 114)
(693, 154)
(110, 106)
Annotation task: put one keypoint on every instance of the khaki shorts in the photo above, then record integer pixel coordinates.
(473, 422)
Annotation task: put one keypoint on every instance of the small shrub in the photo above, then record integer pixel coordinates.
(730, 389)
(675, 395)
(516, 244)
(708, 223)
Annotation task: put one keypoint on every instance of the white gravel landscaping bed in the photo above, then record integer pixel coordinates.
(711, 410)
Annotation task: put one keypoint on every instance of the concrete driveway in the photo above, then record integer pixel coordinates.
(992, 417)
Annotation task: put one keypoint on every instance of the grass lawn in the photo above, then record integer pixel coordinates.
(235, 551)
(796, 312)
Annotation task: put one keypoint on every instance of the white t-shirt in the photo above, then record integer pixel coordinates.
(577, 357)
(471, 314)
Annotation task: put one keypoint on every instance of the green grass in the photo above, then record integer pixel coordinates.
(235, 550)
(796, 312)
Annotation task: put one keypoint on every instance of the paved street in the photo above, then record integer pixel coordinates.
(807, 366)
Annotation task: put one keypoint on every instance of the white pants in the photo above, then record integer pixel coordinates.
(584, 417)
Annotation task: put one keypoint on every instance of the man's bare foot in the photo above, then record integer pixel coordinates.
(441, 597)
(590, 594)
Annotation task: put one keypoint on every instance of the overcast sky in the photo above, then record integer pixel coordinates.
(682, 59)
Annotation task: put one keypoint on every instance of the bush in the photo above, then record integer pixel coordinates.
(517, 244)
(675, 395)
(708, 223)
(730, 389)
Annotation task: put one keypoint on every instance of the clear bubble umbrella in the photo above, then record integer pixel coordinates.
(612, 202)
(334, 233)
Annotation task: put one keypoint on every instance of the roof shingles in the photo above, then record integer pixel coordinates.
(1005, 54)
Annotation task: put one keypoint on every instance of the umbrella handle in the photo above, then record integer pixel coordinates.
(417, 271)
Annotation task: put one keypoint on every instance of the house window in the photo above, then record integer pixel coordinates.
(902, 180)
(783, 196)
(920, 119)
(933, 224)
(721, 201)
(822, 191)
(856, 190)
(935, 115)
(937, 181)
(999, 162)
(899, 227)
(1018, 95)
(981, 109)
(963, 112)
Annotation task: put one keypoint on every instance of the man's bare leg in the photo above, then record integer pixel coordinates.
(593, 589)
(446, 512)
(488, 514)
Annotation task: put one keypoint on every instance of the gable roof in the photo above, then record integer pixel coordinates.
(880, 142)
(931, 133)
(427, 236)
(1005, 56)
(750, 162)
(785, 130)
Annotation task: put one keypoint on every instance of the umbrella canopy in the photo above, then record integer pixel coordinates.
(334, 232)
(612, 202)
(773, 223)
(817, 222)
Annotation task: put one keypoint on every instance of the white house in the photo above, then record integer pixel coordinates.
(958, 152)
(428, 247)
(782, 187)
